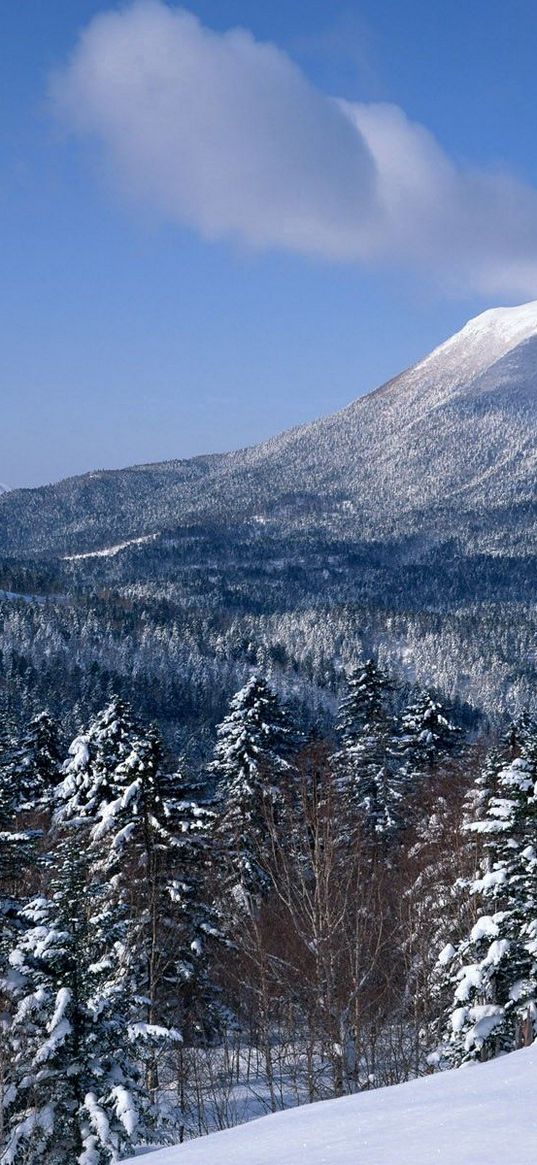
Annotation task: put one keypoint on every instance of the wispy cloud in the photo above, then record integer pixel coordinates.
(226, 134)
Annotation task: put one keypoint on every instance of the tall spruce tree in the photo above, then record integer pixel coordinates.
(365, 759)
(424, 736)
(93, 954)
(362, 709)
(112, 783)
(521, 731)
(76, 1093)
(35, 764)
(250, 763)
(492, 972)
(90, 780)
(18, 844)
(194, 920)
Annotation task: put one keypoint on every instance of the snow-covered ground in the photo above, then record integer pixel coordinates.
(478, 1115)
(110, 551)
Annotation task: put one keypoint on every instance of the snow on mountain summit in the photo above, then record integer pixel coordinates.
(512, 324)
(483, 340)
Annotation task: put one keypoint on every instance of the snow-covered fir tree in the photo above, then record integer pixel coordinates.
(476, 806)
(492, 972)
(111, 784)
(35, 764)
(194, 921)
(249, 766)
(365, 760)
(521, 731)
(362, 707)
(424, 738)
(89, 781)
(18, 842)
(425, 735)
(75, 1092)
(435, 909)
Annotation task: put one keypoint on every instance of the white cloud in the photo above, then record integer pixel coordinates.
(227, 135)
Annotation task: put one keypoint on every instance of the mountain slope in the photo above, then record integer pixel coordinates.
(448, 447)
(479, 1115)
(406, 524)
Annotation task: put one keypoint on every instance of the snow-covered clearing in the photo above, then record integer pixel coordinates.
(14, 596)
(110, 551)
(477, 1115)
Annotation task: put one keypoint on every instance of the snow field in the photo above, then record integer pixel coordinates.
(482, 1114)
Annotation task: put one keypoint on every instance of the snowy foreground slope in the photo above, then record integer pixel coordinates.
(478, 1115)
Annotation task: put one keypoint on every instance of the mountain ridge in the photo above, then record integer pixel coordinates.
(404, 525)
(460, 424)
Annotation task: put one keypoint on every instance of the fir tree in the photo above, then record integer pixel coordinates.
(35, 765)
(17, 842)
(108, 964)
(493, 971)
(195, 923)
(362, 709)
(365, 761)
(425, 735)
(520, 733)
(249, 767)
(90, 773)
(75, 1092)
(423, 738)
(111, 784)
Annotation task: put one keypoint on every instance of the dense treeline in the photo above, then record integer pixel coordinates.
(174, 623)
(179, 665)
(312, 915)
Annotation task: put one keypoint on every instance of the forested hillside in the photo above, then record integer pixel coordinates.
(403, 526)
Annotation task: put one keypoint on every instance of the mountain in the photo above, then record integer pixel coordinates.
(477, 1115)
(446, 449)
(404, 525)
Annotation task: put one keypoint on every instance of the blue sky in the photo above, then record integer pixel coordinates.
(148, 315)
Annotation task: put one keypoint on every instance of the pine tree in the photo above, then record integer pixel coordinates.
(108, 966)
(192, 933)
(521, 731)
(195, 923)
(425, 735)
(35, 764)
(493, 971)
(90, 774)
(75, 1092)
(18, 848)
(362, 709)
(477, 801)
(17, 843)
(365, 760)
(111, 783)
(423, 739)
(250, 763)
(436, 907)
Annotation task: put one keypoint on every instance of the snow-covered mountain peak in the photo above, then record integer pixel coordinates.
(483, 341)
(457, 366)
(500, 328)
